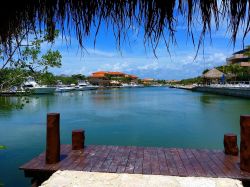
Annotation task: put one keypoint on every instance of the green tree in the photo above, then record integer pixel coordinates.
(78, 77)
(46, 78)
(28, 58)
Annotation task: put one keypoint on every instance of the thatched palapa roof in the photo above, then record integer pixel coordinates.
(213, 74)
(159, 18)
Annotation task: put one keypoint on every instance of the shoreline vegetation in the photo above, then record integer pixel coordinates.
(49, 79)
(238, 74)
(236, 70)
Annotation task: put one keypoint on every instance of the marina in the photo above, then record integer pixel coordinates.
(145, 117)
(125, 93)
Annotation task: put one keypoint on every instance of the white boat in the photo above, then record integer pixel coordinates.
(125, 85)
(84, 85)
(133, 85)
(35, 88)
(65, 89)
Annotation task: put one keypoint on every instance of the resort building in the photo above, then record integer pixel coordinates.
(240, 57)
(148, 81)
(172, 81)
(99, 78)
(133, 77)
(106, 78)
(214, 76)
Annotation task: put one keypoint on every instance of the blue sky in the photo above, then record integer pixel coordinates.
(135, 58)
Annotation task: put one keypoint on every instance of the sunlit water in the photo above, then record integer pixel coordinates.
(140, 116)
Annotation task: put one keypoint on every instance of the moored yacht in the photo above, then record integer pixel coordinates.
(84, 85)
(133, 84)
(35, 88)
(65, 88)
(125, 85)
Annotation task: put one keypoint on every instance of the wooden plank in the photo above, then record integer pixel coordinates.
(163, 163)
(213, 167)
(204, 163)
(195, 163)
(84, 158)
(170, 163)
(116, 159)
(146, 167)
(139, 160)
(178, 162)
(66, 161)
(124, 160)
(29, 165)
(100, 157)
(105, 166)
(189, 168)
(230, 168)
(77, 158)
(223, 172)
(154, 161)
(146, 160)
(131, 160)
(88, 162)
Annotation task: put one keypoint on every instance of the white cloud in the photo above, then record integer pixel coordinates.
(181, 65)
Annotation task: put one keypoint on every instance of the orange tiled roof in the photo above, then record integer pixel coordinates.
(148, 79)
(98, 75)
(115, 73)
(100, 72)
(133, 76)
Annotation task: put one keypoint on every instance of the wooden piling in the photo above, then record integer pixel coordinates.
(245, 143)
(230, 144)
(78, 139)
(53, 138)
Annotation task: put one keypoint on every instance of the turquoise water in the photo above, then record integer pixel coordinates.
(140, 116)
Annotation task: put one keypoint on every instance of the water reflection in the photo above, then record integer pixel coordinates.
(9, 104)
(107, 96)
(206, 98)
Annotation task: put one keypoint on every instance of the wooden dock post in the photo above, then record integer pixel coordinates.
(78, 139)
(230, 144)
(245, 143)
(53, 138)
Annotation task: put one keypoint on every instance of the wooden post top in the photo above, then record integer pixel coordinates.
(78, 139)
(230, 135)
(78, 130)
(245, 116)
(53, 114)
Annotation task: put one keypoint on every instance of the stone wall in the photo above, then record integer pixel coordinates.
(238, 92)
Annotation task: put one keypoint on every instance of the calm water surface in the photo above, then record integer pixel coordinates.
(141, 116)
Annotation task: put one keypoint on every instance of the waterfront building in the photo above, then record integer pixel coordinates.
(108, 78)
(133, 77)
(214, 76)
(240, 57)
(148, 81)
(99, 78)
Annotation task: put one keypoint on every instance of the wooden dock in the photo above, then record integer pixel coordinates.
(140, 160)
